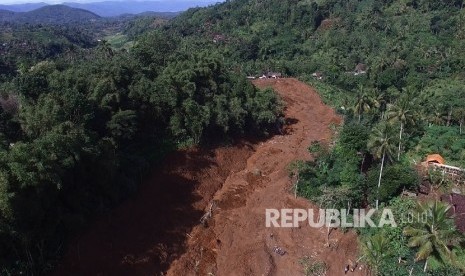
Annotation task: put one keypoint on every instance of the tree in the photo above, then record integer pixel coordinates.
(105, 49)
(434, 234)
(396, 178)
(375, 249)
(403, 113)
(442, 97)
(364, 102)
(459, 116)
(381, 145)
(123, 125)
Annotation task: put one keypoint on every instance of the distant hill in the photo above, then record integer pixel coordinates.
(59, 14)
(22, 7)
(116, 8)
(6, 15)
(53, 14)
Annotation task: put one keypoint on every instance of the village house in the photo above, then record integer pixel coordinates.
(360, 69)
(454, 199)
(436, 161)
(218, 38)
(274, 75)
(271, 75)
(317, 75)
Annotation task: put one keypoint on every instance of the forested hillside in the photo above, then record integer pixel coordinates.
(23, 45)
(400, 41)
(355, 50)
(55, 14)
(81, 125)
(82, 121)
(394, 70)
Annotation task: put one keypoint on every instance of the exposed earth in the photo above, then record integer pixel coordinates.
(158, 232)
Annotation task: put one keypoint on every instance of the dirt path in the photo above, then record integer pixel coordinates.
(158, 232)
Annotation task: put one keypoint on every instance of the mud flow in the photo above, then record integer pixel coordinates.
(203, 212)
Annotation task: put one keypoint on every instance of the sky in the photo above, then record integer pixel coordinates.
(8, 2)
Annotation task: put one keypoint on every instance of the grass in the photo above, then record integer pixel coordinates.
(312, 267)
(119, 41)
(330, 94)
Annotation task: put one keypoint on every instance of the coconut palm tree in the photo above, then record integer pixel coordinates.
(403, 113)
(381, 144)
(379, 102)
(434, 234)
(459, 115)
(374, 250)
(435, 117)
(365, 102)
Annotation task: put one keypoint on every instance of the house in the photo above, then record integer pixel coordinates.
(274, 75)
(360, 69)
(435, 158)
(251, 77)
(437, 162)
(219, 38)
(317, 75)
(457, 202)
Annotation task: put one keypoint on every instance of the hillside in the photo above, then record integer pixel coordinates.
(54, 14)
(394, 69)
(332, 37)
(90, 109)
(6, 15)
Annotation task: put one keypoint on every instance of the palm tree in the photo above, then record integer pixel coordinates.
(375, 250)
(434, 234)
(381, 101)
(435, 117)
(459, 116)
(364, 103)
(403, 113)
(381, 144)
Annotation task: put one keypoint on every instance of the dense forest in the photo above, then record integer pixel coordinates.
(82, 119)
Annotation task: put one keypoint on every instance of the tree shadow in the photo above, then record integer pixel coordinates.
(148, 232)
(288, 123)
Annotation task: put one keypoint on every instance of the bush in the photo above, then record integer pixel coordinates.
(395, 179)
(354, 136)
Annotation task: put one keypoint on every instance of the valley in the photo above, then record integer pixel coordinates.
(142, 142)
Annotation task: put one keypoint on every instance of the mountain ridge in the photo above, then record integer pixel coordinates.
(22, 7)
(50, 14)
(117, 8)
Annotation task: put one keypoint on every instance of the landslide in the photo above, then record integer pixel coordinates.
(159, 231)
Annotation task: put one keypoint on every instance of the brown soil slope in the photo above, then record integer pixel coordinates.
(158, 232)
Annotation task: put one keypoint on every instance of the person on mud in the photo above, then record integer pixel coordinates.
(352, 265)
